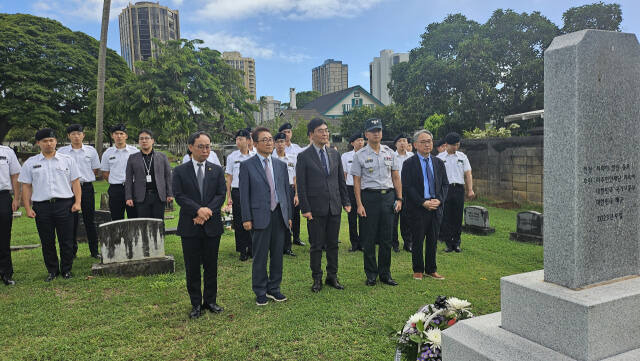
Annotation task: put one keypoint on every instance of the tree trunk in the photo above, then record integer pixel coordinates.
(102, 60)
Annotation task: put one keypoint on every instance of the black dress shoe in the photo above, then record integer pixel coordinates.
(457, 249)
(389, 281)
(407, 248)
(213, 307)
(353, 249)
(370, 282)
(8, 281)
(317, 285)
(96, 256)
(67, 275)
(195, 312)
(289, 252)
(244, 257)
(448, 250)
(333, 282)
(51, 277)
(298, 242)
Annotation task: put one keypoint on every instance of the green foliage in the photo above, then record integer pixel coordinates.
(47, 74)
(306, 97)
(186, 88)
(594, 16)
(434, 122)
(393, 122)
(490, 132)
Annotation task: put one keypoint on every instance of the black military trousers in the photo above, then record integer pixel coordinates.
(405, 230)
(452, 219)
(377, 227)
(88, 204)
(151, 207)
(117, 203)
(353, 220)
(55, 217)
(242, 236)
(323, 233)
(6, 219)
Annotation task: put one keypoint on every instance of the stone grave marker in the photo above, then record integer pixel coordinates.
(476, 221)
(584, 304)
(133, 247)
(104, 201)
(529, 227)
(99, 218)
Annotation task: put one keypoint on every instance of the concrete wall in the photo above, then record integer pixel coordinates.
(507, 169)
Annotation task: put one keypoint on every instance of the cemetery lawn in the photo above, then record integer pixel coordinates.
(146, 318)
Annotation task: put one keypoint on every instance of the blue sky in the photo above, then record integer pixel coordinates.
(288, 38)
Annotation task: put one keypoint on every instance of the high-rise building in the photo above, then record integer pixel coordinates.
(268, 109)
(140, 23)
(247, 66)
(331, 76)
(380, 73)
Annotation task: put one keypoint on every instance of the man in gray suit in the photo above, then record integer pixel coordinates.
(147, 185)
(264, 199)
(322, 192)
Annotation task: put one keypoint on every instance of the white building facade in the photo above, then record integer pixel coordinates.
(380, 73)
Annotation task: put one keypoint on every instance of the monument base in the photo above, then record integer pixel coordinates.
(479, 231)
(482, 339)
(522, 237)
(143, 267)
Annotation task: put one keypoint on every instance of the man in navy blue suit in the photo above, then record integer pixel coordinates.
(199, 188)
(264, 199)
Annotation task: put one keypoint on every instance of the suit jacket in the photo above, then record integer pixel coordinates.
(413, 184)
(317, 190)
(135, 184)
(188, 197)
(255, 196)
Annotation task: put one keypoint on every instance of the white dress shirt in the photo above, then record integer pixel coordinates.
(114, 161)
(86, 159)
(233, 166)
(347, 160)
(9, 166)
(213, 158)
(290, 160)
(456, 164)
(49, 178)
(401, 158)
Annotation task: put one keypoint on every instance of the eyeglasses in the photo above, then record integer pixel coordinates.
(424, 142)
(322, 131)
(266, 140)
(144, 138)
(203, 146)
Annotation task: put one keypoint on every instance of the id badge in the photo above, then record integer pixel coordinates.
(148, 178)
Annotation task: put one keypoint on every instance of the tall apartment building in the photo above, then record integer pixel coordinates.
(380, 73)
(141, 22)
(267, 111)
(247, 66)
(331, 76)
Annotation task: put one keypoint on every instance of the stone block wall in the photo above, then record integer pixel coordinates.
(507, 169)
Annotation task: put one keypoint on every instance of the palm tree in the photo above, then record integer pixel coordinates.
(102, 60)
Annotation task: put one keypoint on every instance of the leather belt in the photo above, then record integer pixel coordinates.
(379, 191)
(54, 200)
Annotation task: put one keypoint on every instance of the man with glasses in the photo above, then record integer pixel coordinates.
(114, 166)
(147, 185)
(264, 193)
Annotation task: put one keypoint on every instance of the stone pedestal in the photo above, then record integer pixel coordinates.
(143, 267)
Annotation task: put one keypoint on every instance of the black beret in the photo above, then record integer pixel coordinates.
(285, 126)
(279, 136)
(243, 133)
(74, 128)
(373, 123)
(248, 129)
(452, 138)
(400, 136)
(354, 137)
(119, 128)
(45, 133)
(440, 142)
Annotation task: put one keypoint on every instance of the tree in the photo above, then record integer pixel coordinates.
(102, 58)
(594, 16)
(47, 73)
(393, 123)
(186, 88)
(306, 97)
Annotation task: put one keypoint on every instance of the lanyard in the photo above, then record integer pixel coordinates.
(147, 169)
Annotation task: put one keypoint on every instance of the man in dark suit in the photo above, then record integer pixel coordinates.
(147, 185)
(264, 198)
(200, 191)
(322, 192)
(425, 184)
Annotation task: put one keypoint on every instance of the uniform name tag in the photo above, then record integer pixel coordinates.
(350, 161)
(112, 157)
(148, 178)
(369, 160)
(2, 157)
(37, 166)
(237, 161)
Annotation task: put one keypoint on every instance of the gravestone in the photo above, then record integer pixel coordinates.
(104, 201)
(132, 247)
(99, 217)
(584, 304)
(529, 227)
(476, 221)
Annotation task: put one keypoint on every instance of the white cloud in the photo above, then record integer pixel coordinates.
(292, 9)
(87, 10)
(247, 46)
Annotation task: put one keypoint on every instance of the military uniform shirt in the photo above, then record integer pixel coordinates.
(291, 161)
(86, 159)
(233, 166)
(213, 158)
(49, 178)
(114, 161)
(289, 149)
(9, 166)
(456, 164)
(374, 169)
(347, 160)
(401, 158)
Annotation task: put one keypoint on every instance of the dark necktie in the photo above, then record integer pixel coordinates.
(272, 188)
(200, 177)
(324, 161)
(431, 183)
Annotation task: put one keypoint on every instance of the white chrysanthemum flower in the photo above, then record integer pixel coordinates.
(457, 304)
(420, 316)
(434, 336)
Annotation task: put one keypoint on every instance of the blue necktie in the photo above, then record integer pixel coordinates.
(324, 161)
(429, 184)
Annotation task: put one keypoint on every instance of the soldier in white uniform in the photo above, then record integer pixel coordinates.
(213, 158)
(401, 142)
(460, 185)
(9, 170)
(232, 172)
(378, 192)
(357, 142)
(114, 166)
(52, 182)
(290, 160)
(88, 163)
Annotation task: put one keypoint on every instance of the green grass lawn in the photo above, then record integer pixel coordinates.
(146, 318)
